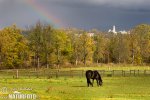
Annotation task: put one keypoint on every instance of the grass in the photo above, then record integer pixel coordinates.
(114, 88)
(109, 67)
(75, 88)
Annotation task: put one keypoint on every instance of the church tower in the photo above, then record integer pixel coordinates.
(114, 29)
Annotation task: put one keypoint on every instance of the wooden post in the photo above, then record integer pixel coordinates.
(29, 74)
(124, 73)
(134, 72)
(113, 72)
(145, 72)
(17, 74)
(44, 74)
(71, 75)
(56, 74)
(130, 72)
(37, 73)
(48, 75)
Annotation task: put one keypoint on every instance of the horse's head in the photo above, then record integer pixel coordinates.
(100, 82)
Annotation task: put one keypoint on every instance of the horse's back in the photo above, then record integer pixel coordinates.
(88, 73)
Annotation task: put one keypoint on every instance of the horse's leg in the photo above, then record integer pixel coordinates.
(97, 82)
(88, 82)
(93, 81)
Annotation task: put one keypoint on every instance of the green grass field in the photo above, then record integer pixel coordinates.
(114, 88)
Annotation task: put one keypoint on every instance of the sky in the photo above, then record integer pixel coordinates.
(83, 14)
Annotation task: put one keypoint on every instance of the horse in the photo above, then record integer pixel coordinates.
(93, 75)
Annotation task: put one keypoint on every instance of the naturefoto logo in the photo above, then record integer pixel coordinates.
(11, 94)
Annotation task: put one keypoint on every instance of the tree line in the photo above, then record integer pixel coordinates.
(42, 45)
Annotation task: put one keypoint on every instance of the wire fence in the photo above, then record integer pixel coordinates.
(69, 73)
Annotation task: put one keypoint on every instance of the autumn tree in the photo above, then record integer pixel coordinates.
(100, 47)
(142, 35)
(86, 47)
(59, 43)
(13, 48)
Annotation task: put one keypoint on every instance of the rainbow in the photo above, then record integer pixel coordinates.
(44, 13)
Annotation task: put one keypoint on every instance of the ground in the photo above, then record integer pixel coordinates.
(66, 88)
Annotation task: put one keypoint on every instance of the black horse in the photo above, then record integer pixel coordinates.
(93, 75)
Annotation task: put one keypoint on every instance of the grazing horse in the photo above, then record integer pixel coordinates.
(93, 75)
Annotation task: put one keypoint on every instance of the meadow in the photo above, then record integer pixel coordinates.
(75, 88)
(114, 88)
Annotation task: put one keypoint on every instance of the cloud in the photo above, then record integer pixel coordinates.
(123, 4)
(79, 13)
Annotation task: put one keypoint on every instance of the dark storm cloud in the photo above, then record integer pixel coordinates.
(126, 4)
(101, 14)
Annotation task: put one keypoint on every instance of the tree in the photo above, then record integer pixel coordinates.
(59, 44)
(100, 47)
(86, 47)
(13, 47)
(119, 48)
(142, 33)
(47, 48)
(36, 42)
(73, 35)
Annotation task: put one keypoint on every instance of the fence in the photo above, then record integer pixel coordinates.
(69, 73)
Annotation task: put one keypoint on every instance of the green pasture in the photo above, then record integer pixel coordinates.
(62, 88)
(67, 87)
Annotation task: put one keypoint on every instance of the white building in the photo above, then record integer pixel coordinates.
(123, 32)
(91, 34)
(115, 32)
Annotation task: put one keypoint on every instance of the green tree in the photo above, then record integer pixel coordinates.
(100, 47)
(59, 44)
(73, 35)
(13, 47)
(142, 33)
(36, 42)
(86, 47)
(47, 48)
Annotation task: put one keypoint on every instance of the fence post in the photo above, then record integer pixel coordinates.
(145, 72)
(130, 72)
(113, 72)
(43, 73)
(71, 73)
(29, 74)
(122, 73)
(38, 72)
(134, 72)
(17, 74)
(57, 73)
(48, 75)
